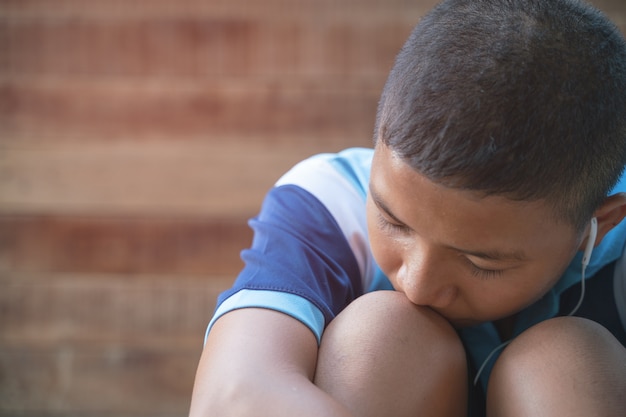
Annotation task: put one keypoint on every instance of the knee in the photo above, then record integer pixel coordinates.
(388, 317)
(386, 324)
(384, 355)
(559, 358)
(563, 342)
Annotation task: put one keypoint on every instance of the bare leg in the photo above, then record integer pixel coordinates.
(384, 356)
(566, 366)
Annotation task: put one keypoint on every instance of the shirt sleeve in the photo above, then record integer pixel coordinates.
(300, 262)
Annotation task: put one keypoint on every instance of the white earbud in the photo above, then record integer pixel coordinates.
(591, 241)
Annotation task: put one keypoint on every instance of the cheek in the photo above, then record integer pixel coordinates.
(384, 249)
(551, 274)
(387, 253)
(384, 254)
(514, 293)
(550, 269)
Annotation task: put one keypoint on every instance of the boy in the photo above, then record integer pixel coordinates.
(500, 142)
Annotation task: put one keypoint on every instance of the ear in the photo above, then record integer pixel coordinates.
(609, 215)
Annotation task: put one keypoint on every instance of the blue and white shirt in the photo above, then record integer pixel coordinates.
(310, 256)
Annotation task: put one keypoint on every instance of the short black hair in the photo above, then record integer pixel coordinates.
(520, 98)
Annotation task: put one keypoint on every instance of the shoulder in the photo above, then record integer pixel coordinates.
(327, 173)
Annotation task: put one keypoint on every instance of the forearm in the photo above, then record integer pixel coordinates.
(258, 397)
(260, 363)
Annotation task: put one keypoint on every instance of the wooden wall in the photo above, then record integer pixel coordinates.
(136, 138)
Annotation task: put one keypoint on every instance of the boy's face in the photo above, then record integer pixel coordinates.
(470, 258)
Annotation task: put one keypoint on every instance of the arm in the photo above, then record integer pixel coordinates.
(260, 362)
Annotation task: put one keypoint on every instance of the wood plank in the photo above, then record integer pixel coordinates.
(305, 110)
(107, 310)
(358, 10)
(212, 180)
(123, 245)
(101, 345)
(109, 381)
(200, 47)
(277, 9)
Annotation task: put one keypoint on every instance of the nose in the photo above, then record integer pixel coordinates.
(425, 282)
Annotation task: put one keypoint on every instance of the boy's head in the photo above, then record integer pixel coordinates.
(524, 99)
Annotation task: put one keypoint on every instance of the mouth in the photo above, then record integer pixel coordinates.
(458, 321)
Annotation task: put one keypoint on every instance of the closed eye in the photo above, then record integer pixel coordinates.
(484, 273)
(387, 225)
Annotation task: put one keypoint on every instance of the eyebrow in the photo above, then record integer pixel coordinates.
(381, 205)
(494, 255)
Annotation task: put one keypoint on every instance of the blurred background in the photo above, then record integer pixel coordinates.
(136, 139)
